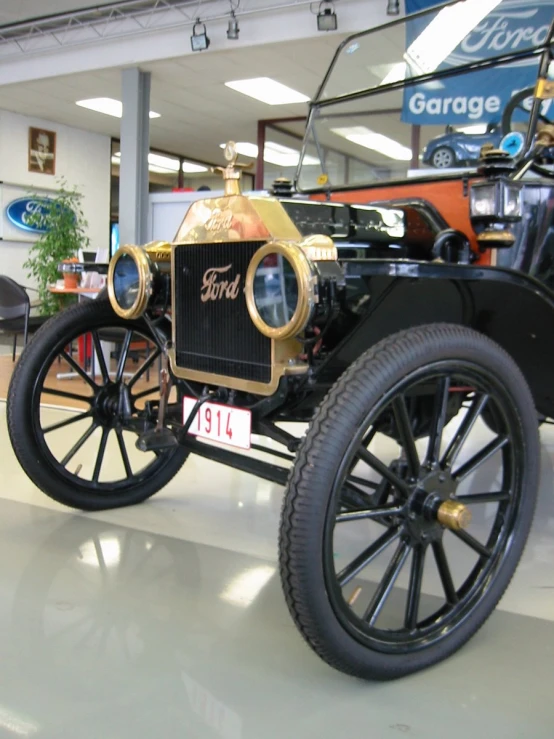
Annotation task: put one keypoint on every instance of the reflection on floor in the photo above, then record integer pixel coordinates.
(167, 619)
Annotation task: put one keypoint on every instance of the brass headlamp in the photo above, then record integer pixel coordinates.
(284, 282)
(131, 281)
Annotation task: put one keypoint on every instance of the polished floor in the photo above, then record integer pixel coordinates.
(167, 620)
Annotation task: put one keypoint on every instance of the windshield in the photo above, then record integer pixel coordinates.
(423, 95)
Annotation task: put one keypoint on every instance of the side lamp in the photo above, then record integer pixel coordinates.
(493, 206)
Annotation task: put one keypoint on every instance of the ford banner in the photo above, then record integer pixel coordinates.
(463, 33)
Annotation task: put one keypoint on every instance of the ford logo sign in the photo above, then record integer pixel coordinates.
(23, 213)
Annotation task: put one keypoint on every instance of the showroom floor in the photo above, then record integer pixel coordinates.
(167, 620)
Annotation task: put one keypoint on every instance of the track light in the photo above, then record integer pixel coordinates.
(199, 40)
(233, 27)
(393, 7)
(326, 17)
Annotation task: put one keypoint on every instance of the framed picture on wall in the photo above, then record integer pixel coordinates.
(42, 151)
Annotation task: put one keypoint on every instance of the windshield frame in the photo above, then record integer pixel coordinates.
(544, 51)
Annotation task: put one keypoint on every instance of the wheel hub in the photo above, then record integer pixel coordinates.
(113, 404)
(454, 515)
(432, 507)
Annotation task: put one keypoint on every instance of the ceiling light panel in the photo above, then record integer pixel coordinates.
(377, 141)
(191, 168)
(108, 106)
(274, 153)
(165, 165)
(268, 91)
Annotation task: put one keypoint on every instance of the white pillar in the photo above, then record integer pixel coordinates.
(135, 143)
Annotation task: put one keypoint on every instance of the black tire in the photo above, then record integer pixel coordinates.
(443, 158)
(319, 491)
(28, 435)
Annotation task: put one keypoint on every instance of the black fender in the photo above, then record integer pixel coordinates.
(512, 308)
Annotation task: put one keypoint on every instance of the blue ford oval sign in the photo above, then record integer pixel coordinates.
(25, 213)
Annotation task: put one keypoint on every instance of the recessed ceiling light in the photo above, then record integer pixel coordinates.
(268, 91)
(168, 163)
(377, 141)
(164, 165)
(191, 168)
(108, 106)
(244, 148)
(282, 156)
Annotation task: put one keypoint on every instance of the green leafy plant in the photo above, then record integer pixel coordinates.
(60, 217)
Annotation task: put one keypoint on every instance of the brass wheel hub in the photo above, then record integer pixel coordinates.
(454, 515)
(432, 507)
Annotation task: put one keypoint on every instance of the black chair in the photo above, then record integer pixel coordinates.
(15, 312)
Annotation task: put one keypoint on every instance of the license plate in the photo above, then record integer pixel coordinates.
(223, 423)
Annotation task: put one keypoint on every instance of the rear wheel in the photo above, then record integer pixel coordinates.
(77, 403)
(383, 572)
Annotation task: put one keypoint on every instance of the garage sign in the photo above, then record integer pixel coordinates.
(495, 28)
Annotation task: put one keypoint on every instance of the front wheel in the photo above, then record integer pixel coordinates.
(393, 552)
(77, 402)
(443, 158)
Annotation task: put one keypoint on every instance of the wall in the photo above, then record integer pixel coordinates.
(82, 158)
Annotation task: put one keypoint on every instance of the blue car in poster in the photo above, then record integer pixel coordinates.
(459, 149)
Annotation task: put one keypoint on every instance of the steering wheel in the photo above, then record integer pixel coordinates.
(517, 103)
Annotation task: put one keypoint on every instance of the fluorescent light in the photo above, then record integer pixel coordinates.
(244, 148)
(191, 168)
(163, 165)
(282, 156)
(443, 34)
(377, 141)
(478, 128)
(268, 91)
(108, 106)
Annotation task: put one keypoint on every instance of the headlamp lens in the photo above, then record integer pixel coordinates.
(512, 201)
(483, 201)
(126, 281)
(275, 290)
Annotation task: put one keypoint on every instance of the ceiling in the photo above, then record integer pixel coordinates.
(12, 11)
(197, 111)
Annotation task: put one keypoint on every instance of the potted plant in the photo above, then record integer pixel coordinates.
(63, 232)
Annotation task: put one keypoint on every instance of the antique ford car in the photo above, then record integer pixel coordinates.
(389, 340)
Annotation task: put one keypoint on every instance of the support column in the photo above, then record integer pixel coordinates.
(135, 143)
(260, 140)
